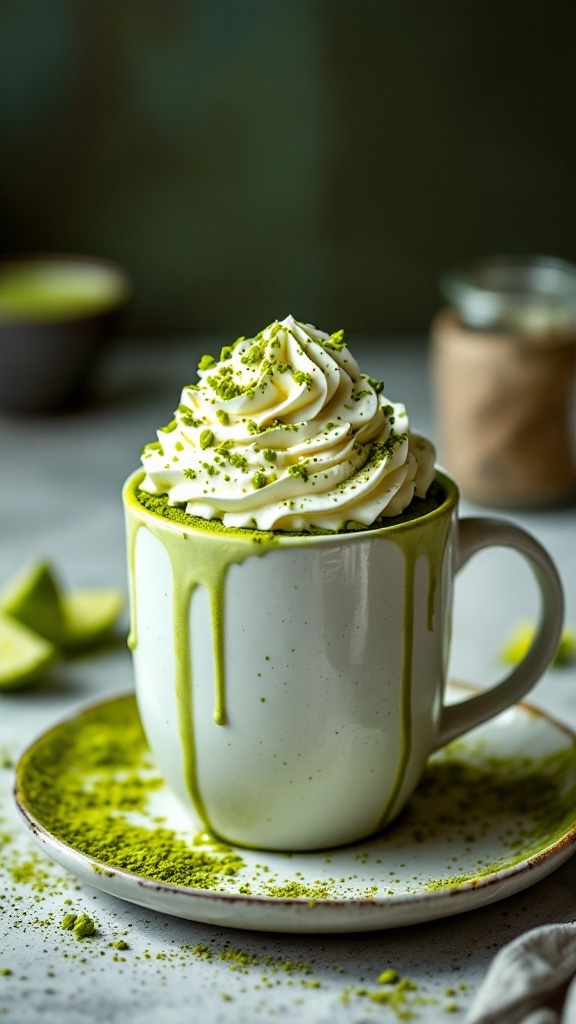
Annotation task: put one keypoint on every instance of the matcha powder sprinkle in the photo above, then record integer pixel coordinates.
(100, 767)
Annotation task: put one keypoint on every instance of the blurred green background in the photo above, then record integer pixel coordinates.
(249, 158)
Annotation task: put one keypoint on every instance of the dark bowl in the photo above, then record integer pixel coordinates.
(57, 314)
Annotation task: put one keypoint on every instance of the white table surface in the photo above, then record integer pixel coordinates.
(60, 480)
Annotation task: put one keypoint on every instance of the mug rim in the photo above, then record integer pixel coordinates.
(446, 507)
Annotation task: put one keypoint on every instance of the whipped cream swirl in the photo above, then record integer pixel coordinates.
(283, 432)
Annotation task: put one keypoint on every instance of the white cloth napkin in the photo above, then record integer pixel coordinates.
(531, 981)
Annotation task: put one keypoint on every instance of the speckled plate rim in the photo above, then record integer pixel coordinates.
(301, 915)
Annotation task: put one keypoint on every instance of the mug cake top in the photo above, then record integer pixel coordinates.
(283, 432)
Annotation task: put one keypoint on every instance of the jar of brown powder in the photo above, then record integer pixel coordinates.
(503, 371)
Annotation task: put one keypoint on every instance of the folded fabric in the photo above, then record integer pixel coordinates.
(531, 981)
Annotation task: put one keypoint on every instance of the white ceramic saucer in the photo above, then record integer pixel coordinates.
(495, 813)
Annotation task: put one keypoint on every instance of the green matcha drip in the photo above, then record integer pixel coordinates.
(183, 685)
(427, 542)
(212, 554)
(217, 619)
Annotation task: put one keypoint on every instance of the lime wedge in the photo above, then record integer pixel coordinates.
(33, 598)
(517, 646)
(23, 654)
(89, 616)
(73, 620)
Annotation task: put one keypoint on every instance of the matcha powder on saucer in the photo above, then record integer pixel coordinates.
(104, 776)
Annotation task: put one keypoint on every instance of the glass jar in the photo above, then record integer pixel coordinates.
(503, 367)
(532, 295)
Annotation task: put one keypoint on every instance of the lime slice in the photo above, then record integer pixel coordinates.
(33, 598)
(89, 616)
(517, 646)
(23, 654)
(72, 620)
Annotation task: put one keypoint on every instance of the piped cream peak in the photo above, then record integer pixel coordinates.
(283, 432)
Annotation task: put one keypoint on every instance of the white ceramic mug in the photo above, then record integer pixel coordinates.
(291, 687)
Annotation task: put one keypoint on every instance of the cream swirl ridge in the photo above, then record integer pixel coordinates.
(283, 432)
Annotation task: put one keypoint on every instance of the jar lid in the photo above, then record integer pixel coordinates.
(530, 294)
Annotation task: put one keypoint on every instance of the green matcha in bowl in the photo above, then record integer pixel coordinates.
(56, 314)
(292, 551)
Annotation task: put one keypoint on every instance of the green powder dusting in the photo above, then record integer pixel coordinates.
(29, 872)
(202, 950)
(112, 750)
(238, 956)
(291, 890)
(403, 997)
(240, 960)
(468, 794)
(90, 782)
(100, 768)
(158, 505)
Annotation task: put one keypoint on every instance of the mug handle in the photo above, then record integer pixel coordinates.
(474, 534)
